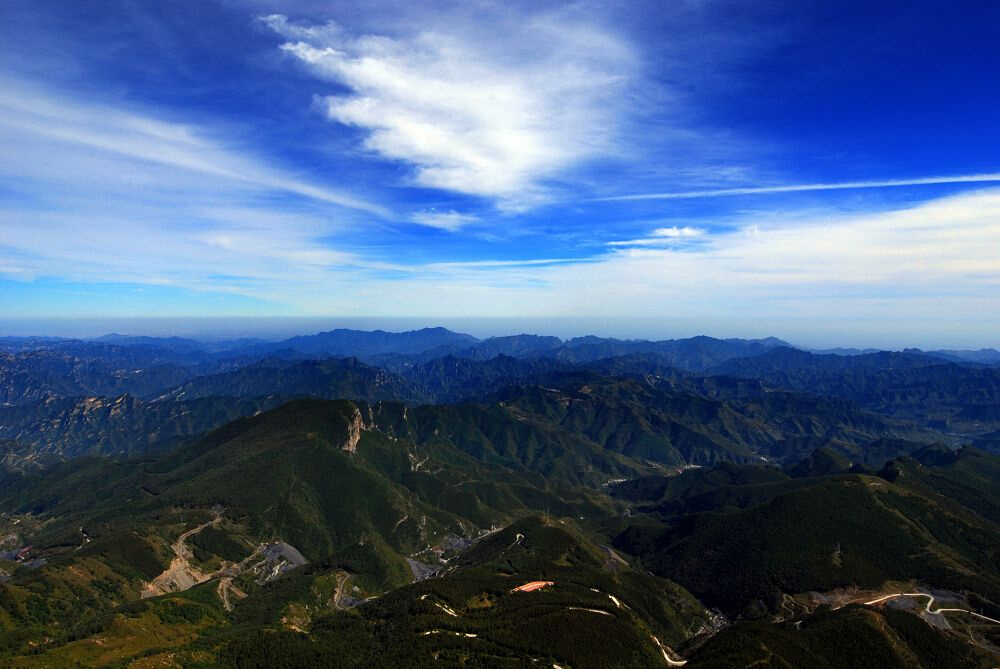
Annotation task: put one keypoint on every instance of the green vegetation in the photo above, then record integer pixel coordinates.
(828, 533)
(211, 541)
(850, 637)
(786, 501)
(470, 615)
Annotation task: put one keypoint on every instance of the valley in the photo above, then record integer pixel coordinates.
(549, 506)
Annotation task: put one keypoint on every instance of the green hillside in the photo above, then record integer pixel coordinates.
(833, 532)
(346, 533)
(850, 637)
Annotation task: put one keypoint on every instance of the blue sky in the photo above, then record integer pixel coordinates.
(828, 172)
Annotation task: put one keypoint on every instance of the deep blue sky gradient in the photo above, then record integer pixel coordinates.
(718, 95)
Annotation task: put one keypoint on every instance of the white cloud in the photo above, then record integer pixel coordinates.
(911, 272)
(936, 258)
(444, 220)
(663, 237)
(491, 111)
(678, 233)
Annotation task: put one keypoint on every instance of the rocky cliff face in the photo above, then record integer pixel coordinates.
(354, 426)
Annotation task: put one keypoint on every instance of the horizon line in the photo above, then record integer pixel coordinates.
(207, 337)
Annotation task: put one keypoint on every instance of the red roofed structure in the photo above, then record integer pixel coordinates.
(534, 585)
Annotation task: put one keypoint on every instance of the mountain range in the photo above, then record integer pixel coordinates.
(427, 498)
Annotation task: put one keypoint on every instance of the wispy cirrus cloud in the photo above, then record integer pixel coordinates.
(75, 128)
(800, 188)
(443, 220)
(663, 237)
(496, 264)
(99, 194)
(492, 111)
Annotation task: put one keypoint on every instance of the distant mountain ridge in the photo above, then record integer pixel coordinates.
(148, 366)
(909, 385)
(330, 378)
(434, 342)
(359, 343)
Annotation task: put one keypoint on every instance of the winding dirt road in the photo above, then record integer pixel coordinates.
(181, 574)
(517, 540)
(342, 579)
(663, 649)
(930, 602)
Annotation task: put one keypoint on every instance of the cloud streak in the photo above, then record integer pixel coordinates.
(664, 237)
(100, 195)
(81, 126)
(443, 220)
(796, 188)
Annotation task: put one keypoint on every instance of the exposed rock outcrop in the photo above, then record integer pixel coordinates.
(354, 427)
